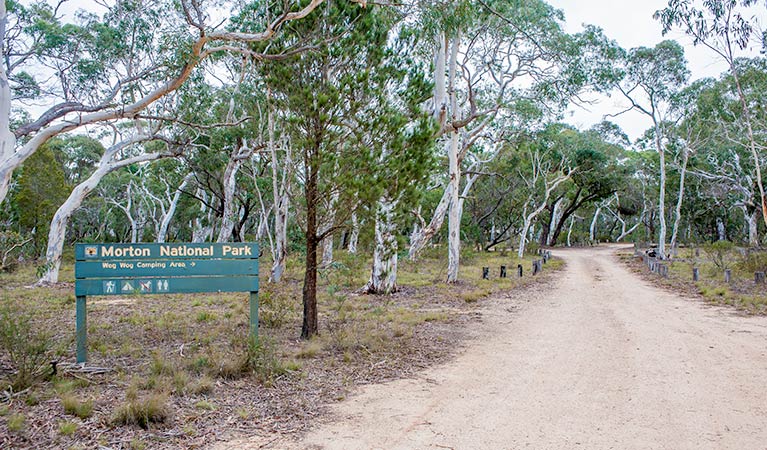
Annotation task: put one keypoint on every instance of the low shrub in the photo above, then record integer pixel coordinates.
(74, 407)
(28, 350)
(720, 253)
(142, 411)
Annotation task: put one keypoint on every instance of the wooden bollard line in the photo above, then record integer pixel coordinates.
(519, 270)
(503, 271)
(727, 275)
(695, 274)
(485, 273)
(759, 277)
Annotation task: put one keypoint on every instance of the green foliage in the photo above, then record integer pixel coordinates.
(720, 253)
(262, 360)
(142, 411)
(67, 428)
(75, 407)
(752, 261)
(17, 423)
(42, 188)
(13, 247)
(27, 349)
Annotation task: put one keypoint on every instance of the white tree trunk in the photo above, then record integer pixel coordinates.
(327, 250)
(355, 235)
(662, 196)
(171, 211)
(201, 233)
(556, 215)
(440, 91)
(720, 229)
(680, 199)
(7, 138)
(383, 277)
(58, 231)
(230, 214)
(454, 213)
(419, 238)
(570, 230)
(280, 255)
(454, 173)
(626, 232)
(60, 221)
(523, 236)
(753, 227)
(593, 227)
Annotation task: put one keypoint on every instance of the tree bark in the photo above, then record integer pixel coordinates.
(230, 214)
(171, 211)
(662, 194)
(523, 236)
(593, 227)
(454, 173)
(721, 232)
(310, 322)
(355, 235)
(680, 199)
(419, 239)
(752, 218)
(570, 230)
(383, 277)
(556, 216)
(7, 138)
(200, 232)
(454, 213)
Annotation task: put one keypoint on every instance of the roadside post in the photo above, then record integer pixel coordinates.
(179, 268)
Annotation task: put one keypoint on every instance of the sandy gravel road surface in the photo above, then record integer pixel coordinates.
(601, 360)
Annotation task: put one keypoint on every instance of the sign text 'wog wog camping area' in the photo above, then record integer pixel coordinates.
(141, 269)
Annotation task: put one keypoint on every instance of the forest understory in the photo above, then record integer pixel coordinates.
(178, 372)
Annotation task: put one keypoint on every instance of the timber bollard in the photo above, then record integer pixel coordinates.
(485, 273)
(695, 274)
(697, 252)
(503, 271)
(727, 275)
(759, 277)
(663, 270)
(519, 270)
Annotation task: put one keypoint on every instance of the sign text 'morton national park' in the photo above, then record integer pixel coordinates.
(165, 251)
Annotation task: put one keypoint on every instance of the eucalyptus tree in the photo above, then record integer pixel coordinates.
(598, 175)
(101, 71)
(647, 78)
(543, 170)
(399, 134)
(127, 150)
(722, 27)
(488, 56)
(328, 97)
(712, 131)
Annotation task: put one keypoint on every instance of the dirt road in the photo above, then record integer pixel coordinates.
(602, 360)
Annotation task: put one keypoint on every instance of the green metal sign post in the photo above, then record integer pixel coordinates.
(143, 269)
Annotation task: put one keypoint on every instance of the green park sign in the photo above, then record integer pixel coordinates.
(143, 269)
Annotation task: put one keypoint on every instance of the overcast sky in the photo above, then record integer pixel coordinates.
(630, 23)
